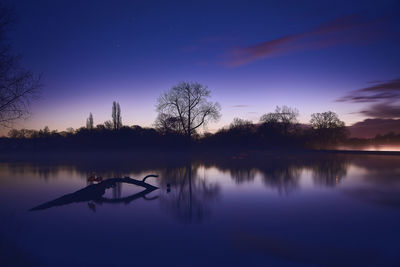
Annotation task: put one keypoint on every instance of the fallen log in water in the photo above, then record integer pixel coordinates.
(95, 192)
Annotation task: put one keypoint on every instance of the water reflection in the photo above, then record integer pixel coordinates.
(329, 172)
(13, 255)
(186, 195)
(283, 173)
(189, 197)
(301, 252)
(381, 181)
(324, 210)
(284, 178)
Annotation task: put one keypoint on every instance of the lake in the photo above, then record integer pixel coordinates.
(241, 210)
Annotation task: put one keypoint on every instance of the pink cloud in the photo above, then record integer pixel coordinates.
(343, 30)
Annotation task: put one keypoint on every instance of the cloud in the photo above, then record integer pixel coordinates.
(384, 96)
(358, 97)
(376, 81)
(383, 91)
(393, 85)
(342, 30)
(240, 106)
(371, 127)
(383, 110)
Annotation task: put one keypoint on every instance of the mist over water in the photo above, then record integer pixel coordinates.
(380, 147)
(297, 210)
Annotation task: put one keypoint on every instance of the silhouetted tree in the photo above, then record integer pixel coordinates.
(169, 124)
(328, 128)
(22, 133)
(70, 130)
(116, 116)
(14, 133)
(241, 133)
(89, 122)
(187, 103)
(17, 85)
(325, 120)
(241, 124)
(283, 119)
(109, 125)
(45, 132)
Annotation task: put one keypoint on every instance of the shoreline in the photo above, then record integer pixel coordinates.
(151, 154)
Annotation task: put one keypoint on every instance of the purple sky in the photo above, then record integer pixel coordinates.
(315, 56)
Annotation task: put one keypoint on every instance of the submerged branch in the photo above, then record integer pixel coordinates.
(95, 192)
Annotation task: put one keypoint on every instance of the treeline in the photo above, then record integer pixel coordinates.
(182, 112)
(275, 130)
(100, 137)
(280, 129)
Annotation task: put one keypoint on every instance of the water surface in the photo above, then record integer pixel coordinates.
(230, 211)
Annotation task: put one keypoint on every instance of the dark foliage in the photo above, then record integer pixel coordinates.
(278, 130)
(101, 137)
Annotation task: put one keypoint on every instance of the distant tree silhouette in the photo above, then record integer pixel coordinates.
(184, 108)
(241, 128)
(89, 122)
(70, 130)
(168, 124)
(109, 125)
(116, 116)
(328, 128)
(284, 119)
(325, 120)
(241, 124)
(17, 85)
(45, 132)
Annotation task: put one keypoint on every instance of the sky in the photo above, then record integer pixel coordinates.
(315, 56)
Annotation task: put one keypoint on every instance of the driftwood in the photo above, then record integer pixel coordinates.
(95, 192)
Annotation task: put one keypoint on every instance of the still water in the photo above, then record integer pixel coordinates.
(337, 210)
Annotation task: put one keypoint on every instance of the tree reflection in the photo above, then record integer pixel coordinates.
(285, 178)
(45, 171)
(241, 174)
(188, 195)
(185, 194)
(329, 172)
(282, 173)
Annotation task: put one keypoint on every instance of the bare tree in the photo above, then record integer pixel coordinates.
(187, 107)
(17, 85)
(284, 118)
(169, 124)
(108, 125)
(328, 128)
(326, 120)
(116, 116)
(241, 124)
(89, 122)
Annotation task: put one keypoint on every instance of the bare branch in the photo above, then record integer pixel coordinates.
(17, 85)
(186, 102)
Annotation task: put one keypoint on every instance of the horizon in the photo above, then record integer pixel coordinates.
(313, 57)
